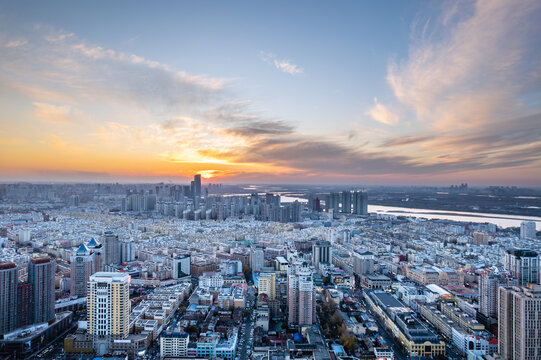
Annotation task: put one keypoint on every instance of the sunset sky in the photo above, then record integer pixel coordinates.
(382, 92)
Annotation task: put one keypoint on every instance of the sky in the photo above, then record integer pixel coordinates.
(309, 92)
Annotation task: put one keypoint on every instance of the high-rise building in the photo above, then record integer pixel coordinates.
(346, 202)
(522, 264)
(197, 185)
(41, 274)
(332, 202)
(112, 248)
(527, 230)
(489, 282)
(257, 258)
(181, 266)
(24, 304)
(127, 251)
(8, 297)
(108, 308)
(321, 253)
(267, 285)
(97, 249)
(519, 322)
(360, 202)
(301, 296)
(82, 266)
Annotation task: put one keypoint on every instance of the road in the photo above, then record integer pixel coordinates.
(58, 345)
(247, 327)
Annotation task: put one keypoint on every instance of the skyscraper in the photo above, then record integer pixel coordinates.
(108, 308)
(360, 202)
(301, 296)
(321, 253)
(8, 297)
(346, 202)
(527, 230)
(82, 266)
(112, 248)
(197, 185)
(41, 274)
(488, 291)
(97, 249)
(257, 258)
(519, 322)
(522, 264)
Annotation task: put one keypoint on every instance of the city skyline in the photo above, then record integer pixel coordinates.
(309, 93)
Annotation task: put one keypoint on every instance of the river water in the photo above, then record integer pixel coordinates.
(502, 220)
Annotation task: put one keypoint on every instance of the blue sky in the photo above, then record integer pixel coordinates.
(413, 91)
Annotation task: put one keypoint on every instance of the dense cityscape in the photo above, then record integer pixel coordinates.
(270, 180)
(192, 272)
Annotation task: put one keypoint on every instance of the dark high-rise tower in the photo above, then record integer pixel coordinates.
(197, 185)
(8, 297)
(41, 272)
(111, 246)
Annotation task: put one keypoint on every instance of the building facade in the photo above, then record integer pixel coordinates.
(108, 308)
(523, 264)
(8, 297)
(82, 266)
(41, 274)
(519, 322)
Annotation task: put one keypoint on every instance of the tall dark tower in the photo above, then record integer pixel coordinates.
(197, 185)
(8, 297)
(111, 245)
(41, 273)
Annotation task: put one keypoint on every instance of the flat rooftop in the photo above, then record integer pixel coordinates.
(388, 300)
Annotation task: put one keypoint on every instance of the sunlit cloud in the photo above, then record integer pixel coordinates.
(382, 114)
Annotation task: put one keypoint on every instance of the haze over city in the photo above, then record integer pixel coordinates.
(410, 92)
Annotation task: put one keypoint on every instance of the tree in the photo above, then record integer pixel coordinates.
(349, 342)
(192, 329)
(247, 272)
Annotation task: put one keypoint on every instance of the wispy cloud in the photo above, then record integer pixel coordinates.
(469, 80)
(382, 114)
(63, 64)
(283, 65)
(474, 72)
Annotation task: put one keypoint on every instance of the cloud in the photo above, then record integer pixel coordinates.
(381, 114)
(469, 81)
(68, 66)
(282, 65)
(53, 113)
(14, 43)
(406, 140)
(173, 117)
(471, 69)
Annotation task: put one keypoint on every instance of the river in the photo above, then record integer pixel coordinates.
(502, 220)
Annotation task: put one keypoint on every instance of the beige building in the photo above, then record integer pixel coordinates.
(108, 308)
(267, 285)
(519, 322)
